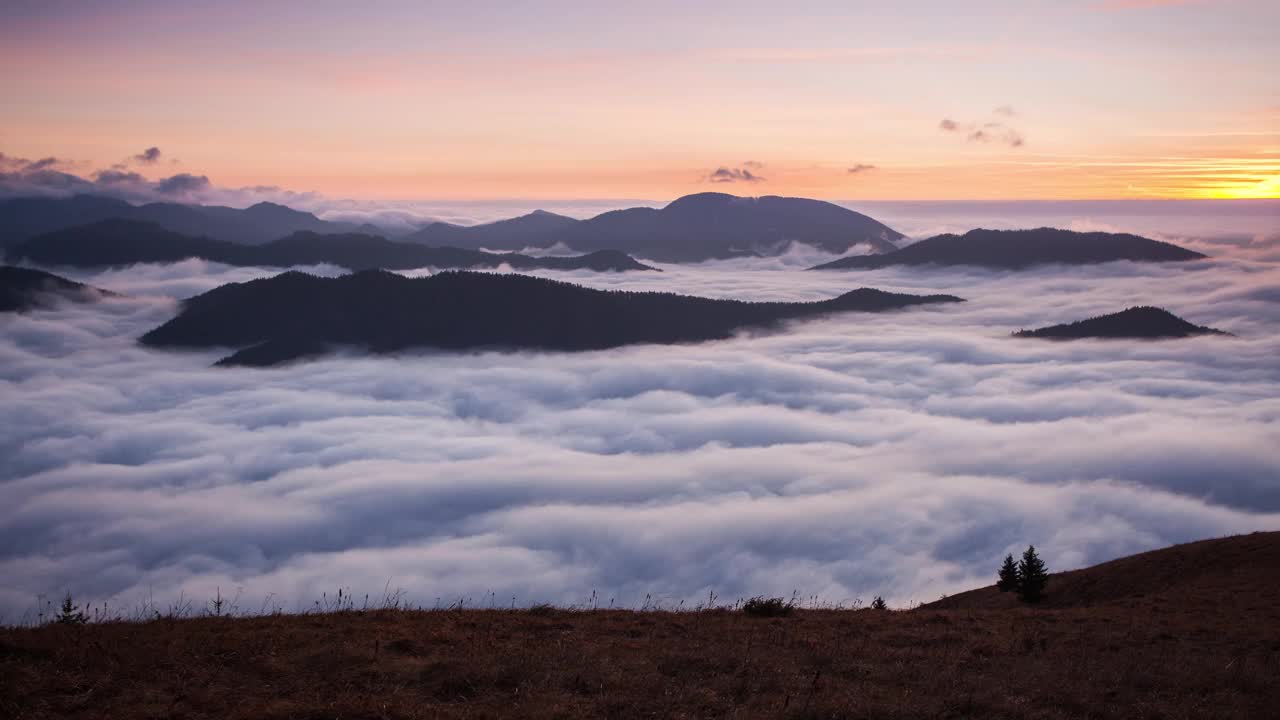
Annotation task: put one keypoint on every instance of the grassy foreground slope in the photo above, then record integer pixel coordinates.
(1187, 632)
(1239, 573)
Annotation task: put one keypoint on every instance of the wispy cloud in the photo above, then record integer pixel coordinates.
(182, 183)
(734, 175)
(150, 156)
(988, 132)
(859, 168)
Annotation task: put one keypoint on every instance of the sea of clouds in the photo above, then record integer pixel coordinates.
(899, 454)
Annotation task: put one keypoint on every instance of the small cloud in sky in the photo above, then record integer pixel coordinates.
(112, 176)
(182, 183)
(148, 157)
(987, 132)
(753, 164)
(860, 168)
(1006, 110)
(733, 175)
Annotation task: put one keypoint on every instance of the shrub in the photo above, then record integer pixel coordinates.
(1032, 576)
(1008, 578)
(761, 606)
(879, 604)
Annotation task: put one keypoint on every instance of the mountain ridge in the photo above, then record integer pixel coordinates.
(117, 242)
(1020, 249)
(294, 315)
(707, 226)
(1139, 322)
(23, 218)
(691, 228)
(23, 289)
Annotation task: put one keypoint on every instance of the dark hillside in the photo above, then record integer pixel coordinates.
(1187, 632)
(1241, 572)
(1021, 249)
(125, 242)
(1149, 323)
(24, 289)
(715, 225)
(292, 315)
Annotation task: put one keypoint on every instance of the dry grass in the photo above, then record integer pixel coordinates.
(1142, 658)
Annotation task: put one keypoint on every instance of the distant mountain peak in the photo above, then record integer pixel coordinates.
(386, 313)
(23, 289)
(1141, 322)
(1021, 249)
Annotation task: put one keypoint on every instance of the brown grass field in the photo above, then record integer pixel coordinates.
(1191, 631)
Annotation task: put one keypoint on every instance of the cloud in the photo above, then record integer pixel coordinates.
(20, 177)
(10, 164)
(150, 156)
(900, 454)
(753, 164)
(986, 132)
(42, 164)
(732, 175)
(1006, 111)
(114, 177)
(859, 168)
(182, 184)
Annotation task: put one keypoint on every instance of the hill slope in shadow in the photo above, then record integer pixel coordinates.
(536, 229)
(716, 225)
(25, 289)
(1145, 322)
(294, 315)
(23, 218)
(1020, 249)
(125, 242)
(1108, 652)
(1202, 575)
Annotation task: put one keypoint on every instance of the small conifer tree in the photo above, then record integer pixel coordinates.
(70, 614)
(879, 604)
(1032, 576)
(1008, 580)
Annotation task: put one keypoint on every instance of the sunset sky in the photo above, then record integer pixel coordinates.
(655, 99)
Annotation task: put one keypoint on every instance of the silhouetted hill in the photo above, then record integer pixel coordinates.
(1135, 322)
(691, 228)
(715, 225)
(24, 289)
(1205, 574)
(1018, 249)
(537, 229)
(24, 218)
(295, 315)
(124, 242)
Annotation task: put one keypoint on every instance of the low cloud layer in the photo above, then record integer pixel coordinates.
(899, 454)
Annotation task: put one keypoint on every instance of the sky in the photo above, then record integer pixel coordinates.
(1090, 99)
